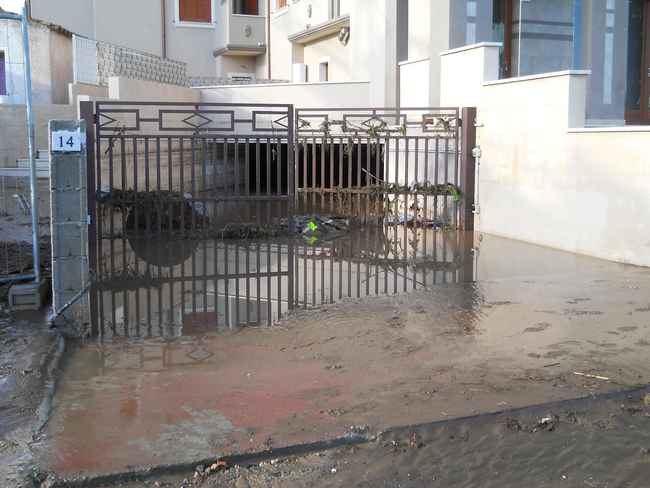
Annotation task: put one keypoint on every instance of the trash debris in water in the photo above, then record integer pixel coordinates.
(593, 376)
(415, 221)
(315, 228)
(548, 423)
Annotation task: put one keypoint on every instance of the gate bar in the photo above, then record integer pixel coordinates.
(468, 168)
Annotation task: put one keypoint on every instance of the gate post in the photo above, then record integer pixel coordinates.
(69, 218)
(467, 168)
(87, 114)
(291, 193)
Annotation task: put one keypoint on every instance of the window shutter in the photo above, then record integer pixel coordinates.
(195, 10)
(251, 7)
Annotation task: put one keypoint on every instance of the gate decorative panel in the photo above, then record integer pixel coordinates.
(397, 166)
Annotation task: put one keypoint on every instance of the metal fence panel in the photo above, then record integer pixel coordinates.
(15, 222)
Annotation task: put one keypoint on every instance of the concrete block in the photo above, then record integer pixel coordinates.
(69, 206)
(69, 275)
(67, 173)
(69, 240)
(29, 296)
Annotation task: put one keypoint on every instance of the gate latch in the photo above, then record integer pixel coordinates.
(476, 152)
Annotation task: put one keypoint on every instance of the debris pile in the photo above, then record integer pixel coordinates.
(315, 228)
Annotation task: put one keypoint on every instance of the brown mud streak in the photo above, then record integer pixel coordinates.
(188, 468)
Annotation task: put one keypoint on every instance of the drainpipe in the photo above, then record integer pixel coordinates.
(577, 34)
(163, 14)
(521, 34)
(268, 39)
(24, 26)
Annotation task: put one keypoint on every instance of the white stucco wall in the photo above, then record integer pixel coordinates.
(419, 25)
(369, 55)
(414, 83)
(190, 44)
(463, 71)
(545, 180)
(134, 24)
(350, 94)
(440, 15)
(331, 50)
(58, 12)
(121, 88)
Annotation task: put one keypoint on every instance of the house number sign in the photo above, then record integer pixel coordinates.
(66, 141)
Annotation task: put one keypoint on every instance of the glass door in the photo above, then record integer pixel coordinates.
(502, 31)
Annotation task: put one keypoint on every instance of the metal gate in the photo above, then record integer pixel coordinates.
(192, 207)
(170, 177)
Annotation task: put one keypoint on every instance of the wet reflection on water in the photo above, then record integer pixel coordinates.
(182, 287)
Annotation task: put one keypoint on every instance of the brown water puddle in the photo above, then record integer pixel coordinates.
(515, 337)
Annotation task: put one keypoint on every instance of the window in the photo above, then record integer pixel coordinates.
(245, 7)
(278, 4)
(195, 11)
(324, 71)
(3, 76)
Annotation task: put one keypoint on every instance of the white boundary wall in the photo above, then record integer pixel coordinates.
(321, 95)
(544, 178)
(414, 88)
(547, 180)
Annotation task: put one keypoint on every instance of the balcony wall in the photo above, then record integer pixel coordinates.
(242, 25)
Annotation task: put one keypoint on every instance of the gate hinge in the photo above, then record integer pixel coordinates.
(89, 219)
(477, 152)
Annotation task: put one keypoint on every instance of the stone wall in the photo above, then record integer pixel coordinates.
(95, 62)
(119, 61)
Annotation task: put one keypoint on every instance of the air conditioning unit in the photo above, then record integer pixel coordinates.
(299, 73)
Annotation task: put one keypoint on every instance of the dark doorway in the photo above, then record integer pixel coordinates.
(637, 106)
(245, 7)
(3, 77)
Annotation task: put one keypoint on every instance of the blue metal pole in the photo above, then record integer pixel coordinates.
(31, 147)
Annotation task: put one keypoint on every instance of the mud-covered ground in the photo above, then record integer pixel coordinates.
(595, 443)
(26, 343)
(533, 326)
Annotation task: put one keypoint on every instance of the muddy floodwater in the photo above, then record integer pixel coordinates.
(392, 331)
